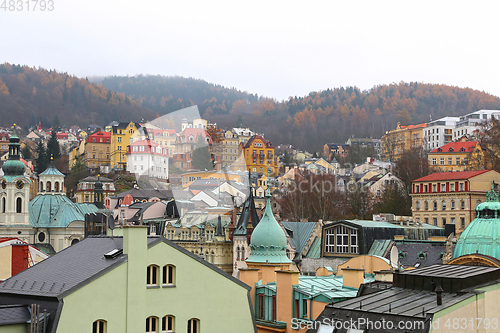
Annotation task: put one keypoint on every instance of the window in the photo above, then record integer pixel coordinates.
(426, 205)
(341, 239)
(452, 187)
(457, 161)
(193, 326)
(152, 276)
(453, 205)
(417, 188)
(461, 186)
(3, 205)
(99, 326)
(418, 205)
(435, 205)
(462, 222)
(119, 139)
(435, 220)
(434, 188)
(450, 161)
(151, 324)
(168, 324)
(444, 205)
(441, 161)
(434, 161)
(444, 221)
(462, 204)
(19, 205)
(169, 274)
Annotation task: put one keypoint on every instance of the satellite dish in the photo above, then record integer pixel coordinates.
(111, 222)
(394, 257)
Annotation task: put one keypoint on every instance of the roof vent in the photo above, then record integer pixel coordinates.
(113, 253)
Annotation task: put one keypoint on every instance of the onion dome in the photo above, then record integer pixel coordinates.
(268, 242)
(13, 166)
(482, 235)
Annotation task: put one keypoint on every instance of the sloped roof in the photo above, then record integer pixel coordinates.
(52, 170)
(300, 233)
(451, 175)
(248, 215)
(56, 211)
(14, 314)
(454, 147)
(315, 249)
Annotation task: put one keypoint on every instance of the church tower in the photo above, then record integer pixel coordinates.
(15, 187)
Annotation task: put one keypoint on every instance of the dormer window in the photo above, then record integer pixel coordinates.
(451, 149)
(462, 149)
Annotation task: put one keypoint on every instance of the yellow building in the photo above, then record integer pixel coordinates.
(75, 153)
(450, 197)
(456, 156)
(121, 135)
(397, 141)
(97, 149)
(230, 149)
(259, 156)
(189, 177)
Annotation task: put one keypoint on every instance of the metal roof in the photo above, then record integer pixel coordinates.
(52, 171)
(14, 314)
(315, 249)
(379, 247)
(300, 233)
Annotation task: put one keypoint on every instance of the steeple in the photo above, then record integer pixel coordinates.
(13, 166)
(268, 242)
(98, 194)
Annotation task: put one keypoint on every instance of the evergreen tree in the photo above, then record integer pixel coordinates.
(41, 158)
(202, 158)
(53, 149)
(26, 153)
(55, 123)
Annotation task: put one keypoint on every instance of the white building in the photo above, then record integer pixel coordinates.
(467, 124)
(147, 158)
(439, 132)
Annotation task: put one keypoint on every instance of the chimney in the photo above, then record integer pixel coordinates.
(268, 272)
(135, 247)
(353, 277)
(250, 276)
(285, 280)
(439, 295)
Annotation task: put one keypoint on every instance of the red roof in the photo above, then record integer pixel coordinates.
(454, 147)
(410, 127)
(451, 175)
(99, 135)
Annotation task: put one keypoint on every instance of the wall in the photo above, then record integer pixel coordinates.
(311, 265)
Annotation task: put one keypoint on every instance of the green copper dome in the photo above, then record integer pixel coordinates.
(13, 166)
(482, 235)
(268, 242)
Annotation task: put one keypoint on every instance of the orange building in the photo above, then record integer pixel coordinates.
(259, 155)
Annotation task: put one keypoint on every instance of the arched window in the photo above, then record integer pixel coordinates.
(242, 253)
(74, 241)
(49, 187)
(99, 326)
(193, 325)
(212, 257)
(19, 205)
(41, 186)
(151, 324)
(238, 257)
(152, 275)
(168, 324)
(56, 187)
(169, 274)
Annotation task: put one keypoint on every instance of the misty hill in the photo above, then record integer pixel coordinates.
(29, 95)
(332, 115)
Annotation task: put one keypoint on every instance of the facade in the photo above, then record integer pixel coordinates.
(230, 150)
(142, 284)
(85, 188)
(236, 176)
(147, 158)
(439, 132)
(469, 123)
(456, 156)
(97, 149)
(396, 142)
(259, 156)
(121, 135)
(330, 150)
(163, 137)
(450, 197)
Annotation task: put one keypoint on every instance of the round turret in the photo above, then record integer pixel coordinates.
(13, 166)
(482, 235)
(268, 242)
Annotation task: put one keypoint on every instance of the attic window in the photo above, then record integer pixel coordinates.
(401, 255)
(462, 149)
(451, 149)
(113, 254)
(422, 256)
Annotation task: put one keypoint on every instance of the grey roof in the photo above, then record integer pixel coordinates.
(248, 215)
(14, 314)
(144, 194)
(431, 254)
(77, 265)
(94, 179)
(142, 206)
(300, 233)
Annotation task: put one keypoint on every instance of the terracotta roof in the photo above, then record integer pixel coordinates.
(415, 126)
(451, 175)
(454, 147)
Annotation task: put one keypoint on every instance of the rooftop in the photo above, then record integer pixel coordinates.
(451, 175)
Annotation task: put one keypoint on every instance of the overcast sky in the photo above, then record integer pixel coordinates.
(272, 48)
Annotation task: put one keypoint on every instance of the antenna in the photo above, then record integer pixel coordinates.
(394, 257)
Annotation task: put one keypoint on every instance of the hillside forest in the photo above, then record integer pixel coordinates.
(29, 95)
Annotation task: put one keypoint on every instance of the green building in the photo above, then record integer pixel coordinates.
(133, 283)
